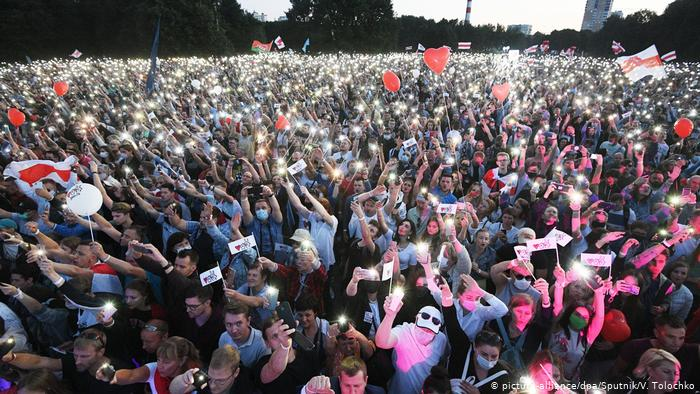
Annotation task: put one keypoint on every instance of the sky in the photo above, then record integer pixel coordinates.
(543, 15)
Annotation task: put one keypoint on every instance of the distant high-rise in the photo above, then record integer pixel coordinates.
(525, 29)
(596, 13)
(468, 14)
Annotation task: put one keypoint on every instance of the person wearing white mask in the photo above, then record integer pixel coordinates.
(513, 277)
(417, 346)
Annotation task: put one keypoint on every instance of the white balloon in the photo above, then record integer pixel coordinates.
(217, 90)
(415, 73)
(84, 199)
(196, 84)
(451, 70)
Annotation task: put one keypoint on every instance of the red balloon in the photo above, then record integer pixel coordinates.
(501, 91)
(391, 81)
(683, 127)
(60, 87)
(282, 123)
(615, 327)
(16, 117)
(436, 59)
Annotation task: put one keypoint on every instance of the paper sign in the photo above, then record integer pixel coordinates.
(447, 208)
(523, 253)
(626, 114)
(211, 276)
(536, 245)
(296, 167)
(409, 143)
(461, 206)
(596, 260)
(562, 238)
(387, 270)
(242, 244)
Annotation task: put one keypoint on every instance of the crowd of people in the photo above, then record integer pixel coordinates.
(398, 237)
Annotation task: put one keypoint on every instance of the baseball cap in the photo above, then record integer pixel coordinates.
(300, 235)
(8, 223)
(429, 317)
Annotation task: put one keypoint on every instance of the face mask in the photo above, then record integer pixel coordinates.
(261, 214)
(122, 156)
(521, 284)
(484, 363)
(576, 322)
(469, 305)
(103, 176)
(104, 155)
(596, 224)
(422, 336)
(655, 183)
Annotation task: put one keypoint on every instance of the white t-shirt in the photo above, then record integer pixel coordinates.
(323, 234)
(412, 360)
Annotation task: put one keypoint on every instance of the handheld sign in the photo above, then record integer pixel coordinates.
(596, 260)
(242, 244)
(562, 238)
(387, 270)
(447, 208)
(297, 167)
(409, 143)
(211, 276)
(536, 245)
(523, 253)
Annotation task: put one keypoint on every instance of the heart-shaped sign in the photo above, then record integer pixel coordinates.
(238, 247)
(436, 59)
(281, 123)
(501, 91)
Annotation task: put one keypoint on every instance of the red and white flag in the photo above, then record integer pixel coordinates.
(646, 62)
(544, 47)
(421, 48)
(669, 56)
(464, 45)
(569, 52)
(76, 54)
(33, 171)
(617, 48)
(409, 48)
(279, 42)
(532, 49)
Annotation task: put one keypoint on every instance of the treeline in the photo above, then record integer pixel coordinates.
(124, 28)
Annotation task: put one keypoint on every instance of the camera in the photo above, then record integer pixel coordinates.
(256, 189)
(200, 379)
(108, 372)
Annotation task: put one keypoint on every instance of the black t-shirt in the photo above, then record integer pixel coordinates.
(294, 376)
(242, 384)
(83, 382)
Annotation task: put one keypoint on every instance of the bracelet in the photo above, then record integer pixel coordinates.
(19, 295)
(559, 285)
(109, 257)
(14, 356)
(285, 347)
(547, 305)
(59, 282)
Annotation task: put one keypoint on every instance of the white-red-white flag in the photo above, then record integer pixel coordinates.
(669, 56)
(532, 49)
(617, 48)
(33, 171)
(76, 54)
(544, 47)
(464, 45)
(279, 42)
(646, 62)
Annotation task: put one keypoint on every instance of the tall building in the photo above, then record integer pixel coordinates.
(596, 13)
(468, 14)
(525, 29)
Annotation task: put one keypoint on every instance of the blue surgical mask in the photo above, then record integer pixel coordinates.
(484, 363)
(261, 214)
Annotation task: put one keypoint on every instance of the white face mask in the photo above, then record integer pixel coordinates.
(422, 336)
(484, 363)
(521, 284)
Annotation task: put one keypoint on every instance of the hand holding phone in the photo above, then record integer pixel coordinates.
(284, 311)
(200, 379)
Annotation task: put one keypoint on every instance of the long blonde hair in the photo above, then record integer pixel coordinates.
(651, 359)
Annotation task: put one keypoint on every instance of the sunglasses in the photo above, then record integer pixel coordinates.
(426, 316)
(93, 337)
(520, 277)
(152, 328)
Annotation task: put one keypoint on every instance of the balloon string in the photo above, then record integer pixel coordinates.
(92, 236)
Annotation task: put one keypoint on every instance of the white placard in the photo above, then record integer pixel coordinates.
(447, 208)
(536, 245)
(562, 238)
(211, 276)
(387, 270)
(409, 143)
(297, 167)
(242, 244)
(596, 260)
(523, 253)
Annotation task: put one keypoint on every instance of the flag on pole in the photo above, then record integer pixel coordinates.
(33, 171)
(150, 81)
(306, 45)
(258, 46)
(409, 48)
(646, 62)
(669, 56)
(569, 52)
(544, 47)
(464, 45)
(76, 54)
(279, 42)
(506, 48)
(421, 48)
(532, 49)
(617, 48)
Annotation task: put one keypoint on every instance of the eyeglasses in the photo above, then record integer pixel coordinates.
(192, 307)
(220, 382)
(426, 316)
(520, 277)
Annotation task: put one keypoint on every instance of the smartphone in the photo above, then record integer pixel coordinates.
(141, 249)
(686, 192)
(272, 295)
(560, 186)
(108, 372)
(594, 157)
(628, 288)
(606, 206)
(284, 311)
(200, 379)
(7, 346)
(255, 190)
